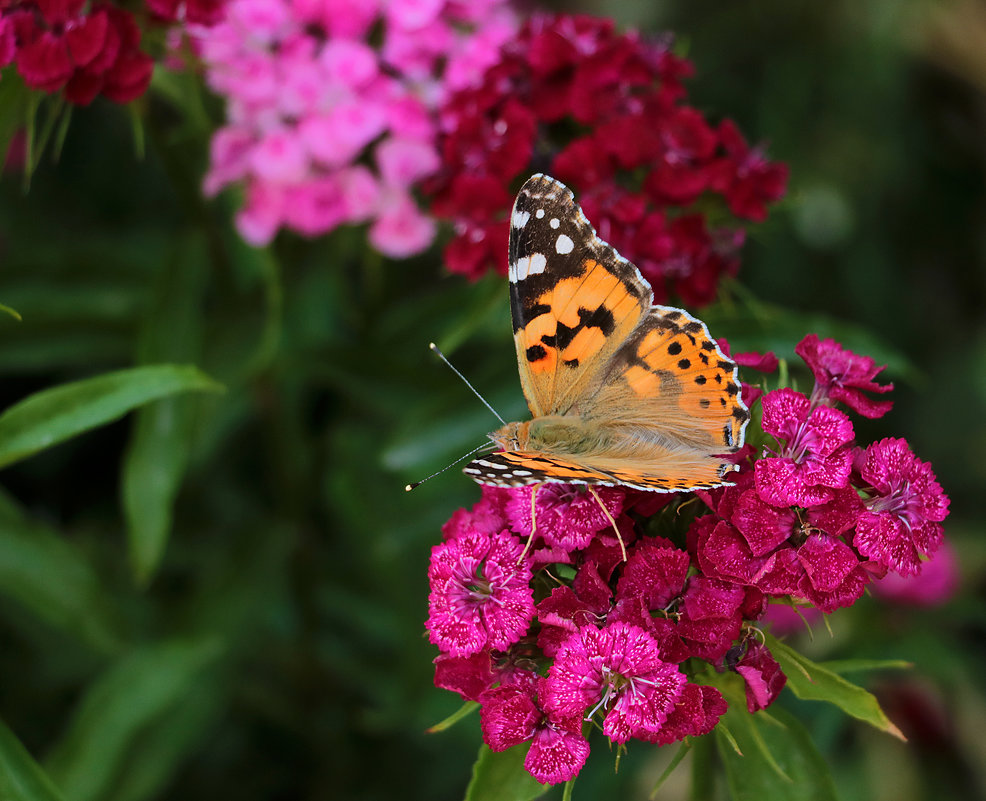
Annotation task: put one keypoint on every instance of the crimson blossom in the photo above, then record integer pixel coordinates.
(81, 49)
(621, 611)
(605, 112)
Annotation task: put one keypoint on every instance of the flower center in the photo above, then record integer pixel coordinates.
(615, 684)
(899, 502)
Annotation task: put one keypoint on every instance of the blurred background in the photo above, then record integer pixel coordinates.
(278, 652)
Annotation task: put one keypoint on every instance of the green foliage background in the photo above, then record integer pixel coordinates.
(222, 594)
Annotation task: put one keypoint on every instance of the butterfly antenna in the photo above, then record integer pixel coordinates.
(409, 487)
(465, 380)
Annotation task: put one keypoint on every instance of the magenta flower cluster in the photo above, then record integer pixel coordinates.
(606, 112)
(561, 632)
(330, 108)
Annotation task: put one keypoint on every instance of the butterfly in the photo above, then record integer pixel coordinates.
(621, 392)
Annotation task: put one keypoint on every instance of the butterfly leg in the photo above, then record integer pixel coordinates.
(534, 524)
(623, 548)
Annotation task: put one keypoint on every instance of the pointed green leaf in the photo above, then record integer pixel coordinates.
(843, 666)
(111, 726)
(463, 711)
(810, 681)
(21, 778)
(51, 577)
(778, 760)
(680, 754)
(12, 312)
(161, 441)
(153, 468)
(500, 776)
(54, 415)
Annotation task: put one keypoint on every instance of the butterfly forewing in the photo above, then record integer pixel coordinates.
(573, 298)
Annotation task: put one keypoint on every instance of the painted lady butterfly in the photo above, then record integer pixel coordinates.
(621, 392)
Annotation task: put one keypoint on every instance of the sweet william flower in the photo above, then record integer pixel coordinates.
(640, 158)
(763, 676)
(841, 375)
(903, 515)
(480, 593)
(618, 670)
(567, 515)
(696, 713)
(82, 51)
(512, 714)
(748, 181)
(784, 551)
(815, 456)
(469, 676)
(197, 12)
(323, 89)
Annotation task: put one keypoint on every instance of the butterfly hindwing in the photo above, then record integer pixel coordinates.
(671, 377)
(573, 298)
(519, 469)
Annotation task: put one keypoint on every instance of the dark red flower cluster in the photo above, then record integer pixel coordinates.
(604, 112)
(595, 618)
(82, 49)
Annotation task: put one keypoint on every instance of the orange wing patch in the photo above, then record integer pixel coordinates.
(579, 322)
(675, 357)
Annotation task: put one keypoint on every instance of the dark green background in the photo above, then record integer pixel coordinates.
(278, 653)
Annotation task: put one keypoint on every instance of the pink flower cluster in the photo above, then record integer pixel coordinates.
(330, 108)
(82, 49)
(551, 634)
(604, 112)
(819, 516)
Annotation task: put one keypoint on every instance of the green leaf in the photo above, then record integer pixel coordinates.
(778, 761)
(110, 727)
(161, 441)
(12, 312)
(13, 107)
(843, 666)
(21, 778)
(811, 681)
(680, 754)
(500, 776)
(51, 578)
(463, 711)
(54, 415)
(153, 468)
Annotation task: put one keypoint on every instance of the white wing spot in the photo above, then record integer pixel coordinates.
(555, 222)
(472, 471)
(519, 218)
(521, 473)
(564, 244)
(539, 213)
(531, 265)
